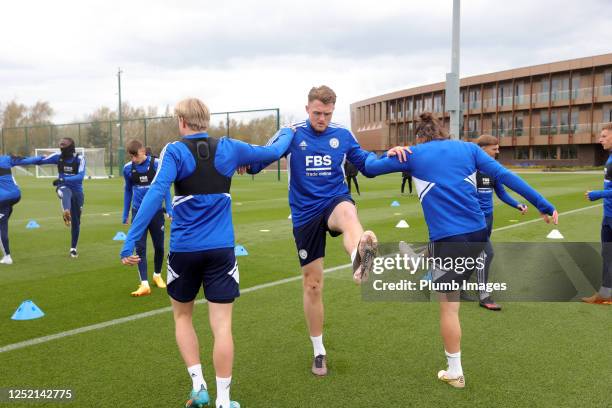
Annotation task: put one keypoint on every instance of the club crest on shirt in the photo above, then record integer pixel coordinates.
(334, 143)
(303, 145)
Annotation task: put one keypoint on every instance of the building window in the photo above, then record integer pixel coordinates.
(521, 153)
(544, 123)
(560, 88)
(569, 152)
(607, 113)
(545, 153)
(575, 85)
(400, 109)
(505, 95)
(474, 127)
(518, 124)
(504, 124)
(409, 103)
(519, 94)
(544, 93)
(607, 87)
(558, 121)
(438, 103)
(475, 98)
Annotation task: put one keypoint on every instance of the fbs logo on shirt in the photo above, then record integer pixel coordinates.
(318, 160)
(144, 179)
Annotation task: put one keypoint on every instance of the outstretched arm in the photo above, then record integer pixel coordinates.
(491, 167)
(598, 194)
(258, 166)
(166, 174)
(232, 153)
(376, 166)
(503, 195)
(25, 161)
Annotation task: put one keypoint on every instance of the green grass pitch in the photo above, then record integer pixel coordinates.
(380, 353)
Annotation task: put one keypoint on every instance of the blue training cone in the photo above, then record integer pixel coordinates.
(395, 204)
(32, 224)
(239, 250)
(27, 310)
(120, 236)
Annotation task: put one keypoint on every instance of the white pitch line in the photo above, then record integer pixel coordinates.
(85, 329)
(540, 220)
(97, 326)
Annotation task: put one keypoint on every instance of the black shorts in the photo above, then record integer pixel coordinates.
(464, 246)
(215, 269)
(310, 237)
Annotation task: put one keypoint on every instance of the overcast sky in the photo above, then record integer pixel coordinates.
(246, 54)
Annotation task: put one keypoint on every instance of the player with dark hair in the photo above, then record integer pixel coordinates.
(69, 187)
(138, 174)
(351, 174)
(406, 177)
(456, 222)
(10, 194)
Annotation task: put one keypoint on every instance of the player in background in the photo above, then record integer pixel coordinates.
(320, 203)
(201, 237)
(138, 174)
(10, 194)
(486, 185)
(69, 187)
(444, 172)
(604, 295)
(351, 175)
(406, 177)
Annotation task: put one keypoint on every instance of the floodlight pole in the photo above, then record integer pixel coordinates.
(452, 102)
(120, 148)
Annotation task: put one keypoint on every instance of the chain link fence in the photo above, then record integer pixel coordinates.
(252, 126)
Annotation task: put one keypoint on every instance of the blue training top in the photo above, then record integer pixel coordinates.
(9, 189)
(133, 194)
(315, 163)
(444, 172)
(72, 181)
(204, 221)
(486, 185)
(606, 193)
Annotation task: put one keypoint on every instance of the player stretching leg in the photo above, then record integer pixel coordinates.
(456, 223)
(320, 203)
(69, 187)
(201, 238)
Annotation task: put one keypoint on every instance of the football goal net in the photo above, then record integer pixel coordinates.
(94, 162)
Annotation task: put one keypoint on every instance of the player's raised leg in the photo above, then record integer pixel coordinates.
(360, 245)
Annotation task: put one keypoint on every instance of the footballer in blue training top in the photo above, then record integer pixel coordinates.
(321, 203)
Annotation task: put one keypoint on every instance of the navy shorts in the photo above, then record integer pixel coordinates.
(216, 270)
(468, 245)
(310, 237)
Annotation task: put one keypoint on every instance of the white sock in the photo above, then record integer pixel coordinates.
(454, 364)
(223, 392)
(156, 275)
(197, 378)
(353, 255)
(317, 345)
(144, 283)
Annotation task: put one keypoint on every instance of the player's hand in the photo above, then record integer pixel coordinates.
(547, 219)
(126, 222)
(522, 208)
(586, 195)
(131, 260)
(400, 152)
(242, 170)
